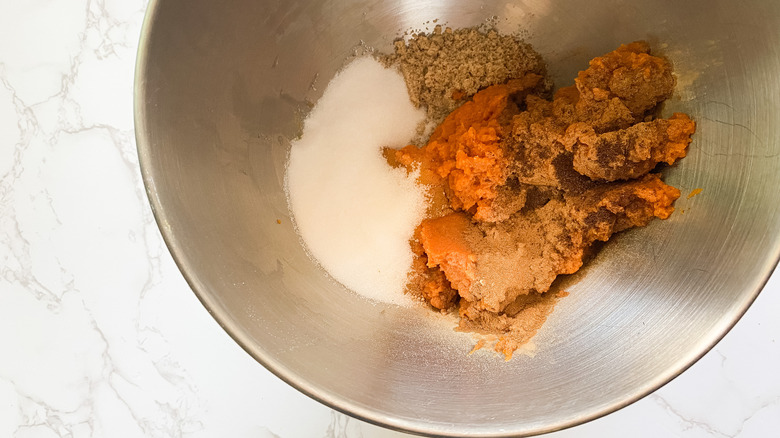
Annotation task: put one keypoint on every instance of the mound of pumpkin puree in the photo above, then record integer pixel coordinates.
(521, 187)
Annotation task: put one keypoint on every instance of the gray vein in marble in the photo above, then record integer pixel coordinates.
(50, 417)
(689, 424)
(342, 426)
(17, 269)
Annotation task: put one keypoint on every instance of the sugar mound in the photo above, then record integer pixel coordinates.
(353, 211)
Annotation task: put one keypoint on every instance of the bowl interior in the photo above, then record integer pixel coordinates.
(222, 88)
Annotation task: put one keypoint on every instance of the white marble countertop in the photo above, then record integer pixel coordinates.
(101, 337)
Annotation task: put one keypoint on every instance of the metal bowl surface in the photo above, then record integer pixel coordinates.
(221, 89)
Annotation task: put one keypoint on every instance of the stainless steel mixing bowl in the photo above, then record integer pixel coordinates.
(221, 88)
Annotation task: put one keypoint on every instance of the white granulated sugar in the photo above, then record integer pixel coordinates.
(353, 211)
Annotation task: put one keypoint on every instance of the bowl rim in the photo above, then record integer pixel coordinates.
(333, 401)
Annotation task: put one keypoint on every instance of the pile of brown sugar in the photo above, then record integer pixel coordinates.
(445, 68)
(522, 186)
